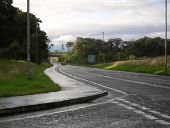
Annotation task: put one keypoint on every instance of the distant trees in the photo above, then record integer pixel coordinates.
(114, 49)
(69, 45)
(62, 47)
(13, 34)
(149, 47)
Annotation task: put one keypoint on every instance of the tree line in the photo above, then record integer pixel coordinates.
(13, 28)
(113, 49)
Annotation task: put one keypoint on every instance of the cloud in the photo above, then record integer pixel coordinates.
(63, 39)
(63, 20)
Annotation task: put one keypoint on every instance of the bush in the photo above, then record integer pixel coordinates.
(132, 57)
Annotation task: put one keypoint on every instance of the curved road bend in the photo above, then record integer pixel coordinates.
(135, 100)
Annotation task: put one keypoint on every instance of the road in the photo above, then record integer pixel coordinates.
(135, 100)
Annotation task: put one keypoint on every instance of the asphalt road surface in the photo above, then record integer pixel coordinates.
(135, 100)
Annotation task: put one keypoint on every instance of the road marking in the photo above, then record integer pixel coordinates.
(165, 116)
(155, 112)
(148, 116)
(113, 89)
(130, 108)
(125, 106)
(162, 122)
(115, 102)
(132, 81)
(120, 104)
(145, 108)
(140, 112)
(133, 104)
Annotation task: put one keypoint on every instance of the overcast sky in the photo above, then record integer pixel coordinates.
(64, 20)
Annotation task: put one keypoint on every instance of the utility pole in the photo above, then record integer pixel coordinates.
(103, 35)
(166, 28)
(28, 41)
(36, 41)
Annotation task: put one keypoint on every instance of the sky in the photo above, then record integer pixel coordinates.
(64, 20)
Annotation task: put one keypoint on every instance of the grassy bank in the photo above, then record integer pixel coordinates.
(13, 79)
(150, 65)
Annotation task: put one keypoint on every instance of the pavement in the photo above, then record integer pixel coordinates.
(72, 91)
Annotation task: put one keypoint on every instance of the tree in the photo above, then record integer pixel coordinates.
(13, 34)
(69, 45)
(7, 23)
(62, 47)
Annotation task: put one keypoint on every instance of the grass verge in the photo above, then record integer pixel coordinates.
(13, 79)
(152, 66)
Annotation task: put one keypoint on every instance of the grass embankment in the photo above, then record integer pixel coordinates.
(152, 65)
(13, 79)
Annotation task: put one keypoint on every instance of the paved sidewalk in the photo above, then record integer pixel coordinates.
(72, 91)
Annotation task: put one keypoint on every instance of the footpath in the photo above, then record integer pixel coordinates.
(72, 92)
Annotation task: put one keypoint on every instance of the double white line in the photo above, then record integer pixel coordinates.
(154, 115)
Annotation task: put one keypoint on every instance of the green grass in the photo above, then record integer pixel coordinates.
(152, 66)
(13, 79)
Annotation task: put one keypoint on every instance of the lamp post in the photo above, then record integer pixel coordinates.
(166, 24)
(28, 41)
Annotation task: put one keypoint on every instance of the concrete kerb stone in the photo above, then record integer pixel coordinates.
(44, 106)
(4, 111)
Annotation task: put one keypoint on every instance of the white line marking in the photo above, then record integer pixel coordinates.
(125, 106)
(115, 102)
(126, 101)
(130, 108)
(150, 117)
(165, 116)
(92, 82)
(134, 104)
(155, 112)
(159, 114)
(162, 122)
(120, 104)
(139, 112)
(132, 81)
(122, 100)
(144, 108)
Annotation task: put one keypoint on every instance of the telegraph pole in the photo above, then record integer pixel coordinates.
(28, 41)
(36, 41)
(166, 28)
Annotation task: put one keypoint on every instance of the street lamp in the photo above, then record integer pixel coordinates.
(28, 41)
(166, 24)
